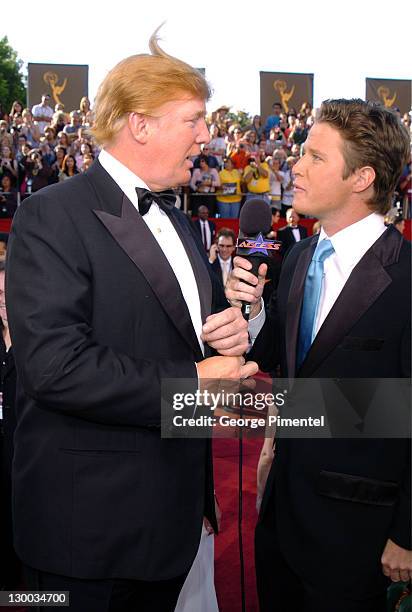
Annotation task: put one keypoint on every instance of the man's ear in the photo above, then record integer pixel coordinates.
(363, 179)
(139, 127)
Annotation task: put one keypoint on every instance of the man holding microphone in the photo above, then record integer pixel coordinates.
(335, 520)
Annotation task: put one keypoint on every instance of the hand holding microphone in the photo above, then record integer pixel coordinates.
(245, 286)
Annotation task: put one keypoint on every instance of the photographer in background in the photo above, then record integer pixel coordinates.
(256, 177)
(37, 171)
(8, 198)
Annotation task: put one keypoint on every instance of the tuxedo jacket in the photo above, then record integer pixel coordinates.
(98, 320)
(212, 227)
(285, 234)
(337, 501)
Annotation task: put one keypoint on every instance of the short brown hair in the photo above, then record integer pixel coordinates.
(226, 232)
(142, 84)
(373, 136)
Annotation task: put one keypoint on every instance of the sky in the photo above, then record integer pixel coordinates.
(341, 43)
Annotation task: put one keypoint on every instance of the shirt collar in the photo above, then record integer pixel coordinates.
(125, 178)
(352, 242)
(223, 262)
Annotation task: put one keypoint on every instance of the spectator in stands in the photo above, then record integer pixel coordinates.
(256, 177)
(16, 110)
(85, 151)
(42, 113)
(205, 227)
(237, 136)
(84, 108)
(221, 254)
(281, 155)
(50, 136)
(274, 119)
(276, 140)
(8, 198)
(276, 178)
(5, 137)
(299, 132)
(257, 127)
(30, 129)
(57, 166)
(239, 157)
(8, 165)
(69, 168)
(217, 145)
(291, 122)
(38, 172)
(47, 152)
(58, 121)
(287, 194)
(87, 162)
(204, 182)
(229, 195)
(63, 140)
(250, 142)
(212, 162)
(296, 150)
(71, 128)
(21, 141)
(306, 109)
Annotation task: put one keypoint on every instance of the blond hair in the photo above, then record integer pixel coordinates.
(141, 84)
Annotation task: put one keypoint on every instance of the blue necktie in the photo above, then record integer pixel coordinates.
(311, 297)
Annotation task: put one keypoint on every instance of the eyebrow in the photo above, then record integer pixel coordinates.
(198, 115)
(307, 149)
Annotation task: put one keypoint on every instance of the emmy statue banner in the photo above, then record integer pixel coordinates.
(390, 92)
(289, 88)
(66, 84)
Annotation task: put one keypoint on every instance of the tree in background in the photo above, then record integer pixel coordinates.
(12, 85)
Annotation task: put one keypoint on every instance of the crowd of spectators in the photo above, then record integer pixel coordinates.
(42, 145)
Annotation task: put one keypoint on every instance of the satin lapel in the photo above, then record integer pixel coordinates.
(365, 284)
(196, 259)
(131, 233)
(294, 305)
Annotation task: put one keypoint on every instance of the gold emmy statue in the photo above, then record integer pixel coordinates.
(285, 96)
(51, 78)
(384, 93)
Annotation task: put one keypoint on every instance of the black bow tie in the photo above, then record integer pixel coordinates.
(164, 199)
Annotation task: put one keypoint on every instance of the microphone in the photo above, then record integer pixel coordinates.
(255, 221)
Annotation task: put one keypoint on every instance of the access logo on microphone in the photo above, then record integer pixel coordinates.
(257, 244)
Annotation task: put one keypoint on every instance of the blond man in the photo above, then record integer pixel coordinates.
(108, 292)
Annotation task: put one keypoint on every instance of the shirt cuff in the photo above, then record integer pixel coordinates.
(256, 324)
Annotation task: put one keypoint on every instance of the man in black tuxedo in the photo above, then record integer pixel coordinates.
(205, 227)
(292, 232)
(221, 255)
(335, 520)
(108, 288)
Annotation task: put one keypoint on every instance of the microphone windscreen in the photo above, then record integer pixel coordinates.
(255, 217)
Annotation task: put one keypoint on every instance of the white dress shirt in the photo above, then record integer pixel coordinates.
(165, 234)
(226, 267)
(350, 246)
(296, 233)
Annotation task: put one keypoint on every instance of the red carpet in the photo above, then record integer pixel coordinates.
(227, 576)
